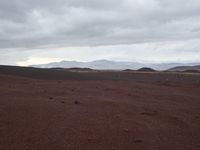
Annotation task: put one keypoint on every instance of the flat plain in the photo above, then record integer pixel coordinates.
(98, 110)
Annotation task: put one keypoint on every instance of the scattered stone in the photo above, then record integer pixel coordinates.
(89, 139)
(28, 140)
(76, 102)
(138, 141)
(126, 130)
(50, 98)
(117, 116)
(149, 113)
(62, 102)
(129, 95)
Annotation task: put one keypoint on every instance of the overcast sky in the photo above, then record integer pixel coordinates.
(42, 31)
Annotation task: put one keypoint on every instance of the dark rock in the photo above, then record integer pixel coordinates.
(76, 102)
(126, 130)
(138, 141)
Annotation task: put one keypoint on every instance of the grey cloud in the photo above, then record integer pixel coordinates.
(36, 23)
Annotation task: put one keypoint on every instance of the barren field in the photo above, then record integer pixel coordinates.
(99, 111)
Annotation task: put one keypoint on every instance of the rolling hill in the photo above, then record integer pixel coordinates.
(186, 68)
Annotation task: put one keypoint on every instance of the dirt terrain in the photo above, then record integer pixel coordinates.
(99, 110)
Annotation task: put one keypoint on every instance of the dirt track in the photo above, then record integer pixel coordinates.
(99, 114)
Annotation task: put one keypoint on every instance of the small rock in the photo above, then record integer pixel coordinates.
(62, 102)
(117, 116)
(90, 139)
(138, 141)
(126, 130)
(76, 102)
(50, 98)
(129, 95)
(28, 140)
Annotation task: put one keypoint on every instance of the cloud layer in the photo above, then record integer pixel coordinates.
(37, 24)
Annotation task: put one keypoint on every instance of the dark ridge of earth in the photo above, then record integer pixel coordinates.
(145, 69)
(68, 74)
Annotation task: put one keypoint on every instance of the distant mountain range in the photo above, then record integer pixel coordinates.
(185, 68)
(113, 65)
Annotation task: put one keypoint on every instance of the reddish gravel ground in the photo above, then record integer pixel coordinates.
(98, 115)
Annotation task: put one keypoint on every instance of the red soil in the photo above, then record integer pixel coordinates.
(98, 115)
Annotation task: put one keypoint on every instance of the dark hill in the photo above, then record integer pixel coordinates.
(145, 69)
(49, 74)
(128, 70)
(79, 69)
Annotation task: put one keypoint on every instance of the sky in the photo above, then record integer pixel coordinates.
(151, 31)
